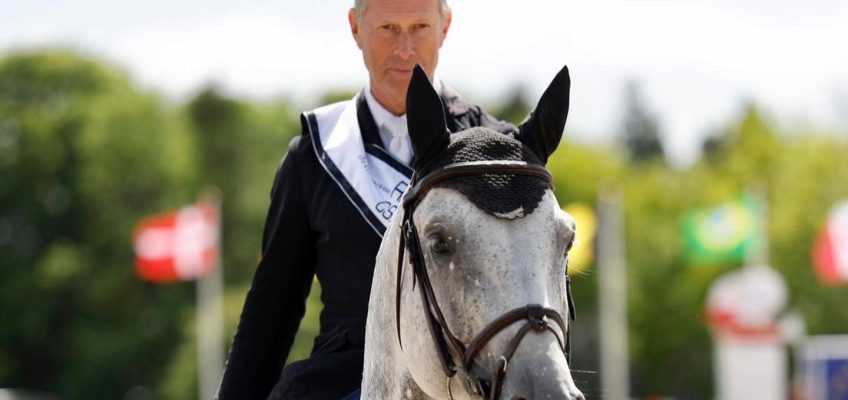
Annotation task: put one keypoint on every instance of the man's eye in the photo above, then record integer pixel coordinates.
(420, 27)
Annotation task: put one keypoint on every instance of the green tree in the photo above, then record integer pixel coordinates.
(640, 127)
(579, 171)
(240, 146)
(335, 96)
(801, 174)
(515, 108)
(84, 156)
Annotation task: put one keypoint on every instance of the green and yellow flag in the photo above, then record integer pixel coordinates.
(722, 234)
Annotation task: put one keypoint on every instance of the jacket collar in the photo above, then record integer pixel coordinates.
(455, 108)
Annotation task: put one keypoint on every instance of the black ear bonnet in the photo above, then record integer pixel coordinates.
(504, 196)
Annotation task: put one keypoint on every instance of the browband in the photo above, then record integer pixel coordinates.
(424, 184)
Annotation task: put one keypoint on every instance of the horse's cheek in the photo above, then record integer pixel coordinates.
(419, 349)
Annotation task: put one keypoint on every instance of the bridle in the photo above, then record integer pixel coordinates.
(538, 317)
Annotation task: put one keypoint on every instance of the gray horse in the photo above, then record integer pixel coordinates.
(470, 297)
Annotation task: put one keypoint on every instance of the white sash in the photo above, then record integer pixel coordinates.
(371, 178)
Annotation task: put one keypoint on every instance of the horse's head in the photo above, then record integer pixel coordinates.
(486, 248)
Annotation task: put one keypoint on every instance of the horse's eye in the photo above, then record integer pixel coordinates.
(570, 245)
(567, 250)
(438, 243)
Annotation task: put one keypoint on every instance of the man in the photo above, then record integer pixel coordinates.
(334, 193)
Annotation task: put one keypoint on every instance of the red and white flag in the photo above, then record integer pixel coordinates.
(177, 246)
(830, 253)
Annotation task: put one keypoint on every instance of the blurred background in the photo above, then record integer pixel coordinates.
(113, 111)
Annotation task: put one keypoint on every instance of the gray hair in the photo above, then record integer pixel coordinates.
(359, 7)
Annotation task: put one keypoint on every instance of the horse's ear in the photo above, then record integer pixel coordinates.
(425, 119)
(542, 129)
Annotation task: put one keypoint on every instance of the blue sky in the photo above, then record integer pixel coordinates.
(698, 61)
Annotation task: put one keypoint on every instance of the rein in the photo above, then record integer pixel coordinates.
(538, 318)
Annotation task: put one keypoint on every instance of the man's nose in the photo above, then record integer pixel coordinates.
(405, 47)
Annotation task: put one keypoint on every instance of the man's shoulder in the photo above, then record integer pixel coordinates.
(454, 103)
(463, 115)
(301, 145)
(329, 111)
(322, 117)
(310, 117)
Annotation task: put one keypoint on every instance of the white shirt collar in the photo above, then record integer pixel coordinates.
(380, 114)
(384, 118)
(392, 128)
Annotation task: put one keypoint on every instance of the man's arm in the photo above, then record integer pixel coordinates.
(277, 298)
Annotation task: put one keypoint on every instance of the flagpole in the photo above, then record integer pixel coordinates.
(758, 253)
(210, 319)
(612, 296)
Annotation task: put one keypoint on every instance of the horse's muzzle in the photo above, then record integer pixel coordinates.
(539, 371)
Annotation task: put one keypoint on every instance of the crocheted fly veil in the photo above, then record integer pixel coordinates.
(504, 196)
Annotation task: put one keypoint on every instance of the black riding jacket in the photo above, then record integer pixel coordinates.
(312, 230)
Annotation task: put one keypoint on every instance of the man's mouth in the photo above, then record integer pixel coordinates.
(401, 70)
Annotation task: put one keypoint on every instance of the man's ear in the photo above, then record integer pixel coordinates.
(354, 26)
(446, 21)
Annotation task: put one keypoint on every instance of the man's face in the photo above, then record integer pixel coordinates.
(394, 35)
